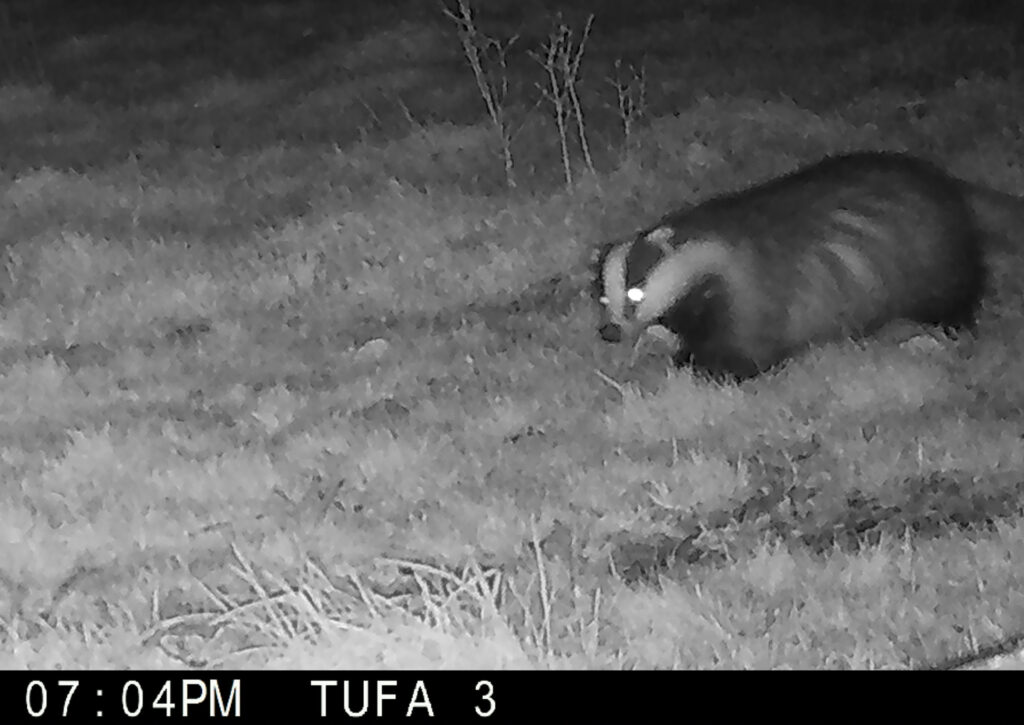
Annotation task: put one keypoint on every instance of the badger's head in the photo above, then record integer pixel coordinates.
(622, 275)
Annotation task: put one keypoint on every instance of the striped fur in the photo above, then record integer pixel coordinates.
(834, 250)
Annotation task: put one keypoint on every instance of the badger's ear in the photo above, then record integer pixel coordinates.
(661, 237)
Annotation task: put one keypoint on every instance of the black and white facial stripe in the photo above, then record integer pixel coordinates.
(624, 272)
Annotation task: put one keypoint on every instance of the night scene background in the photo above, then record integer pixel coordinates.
(299, 355)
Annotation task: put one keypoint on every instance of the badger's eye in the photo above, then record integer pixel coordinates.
(635, 295)
(603, 300)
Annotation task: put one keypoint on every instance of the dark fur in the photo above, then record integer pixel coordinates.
(834, 250)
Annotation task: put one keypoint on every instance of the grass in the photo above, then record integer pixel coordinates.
(290, 379)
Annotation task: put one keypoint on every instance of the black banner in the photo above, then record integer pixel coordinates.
(587, 698)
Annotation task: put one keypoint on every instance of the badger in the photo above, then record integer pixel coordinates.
(838, 249)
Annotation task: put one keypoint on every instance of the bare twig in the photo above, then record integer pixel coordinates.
(571, 70)
(561, 57)
(630, 84)
(555, 94)
(612, 382)
(488, 59)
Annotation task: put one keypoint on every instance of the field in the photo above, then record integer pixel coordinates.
(294, 377)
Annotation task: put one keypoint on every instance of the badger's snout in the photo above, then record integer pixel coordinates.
(610, 332)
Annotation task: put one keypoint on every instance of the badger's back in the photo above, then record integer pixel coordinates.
(834, 250)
